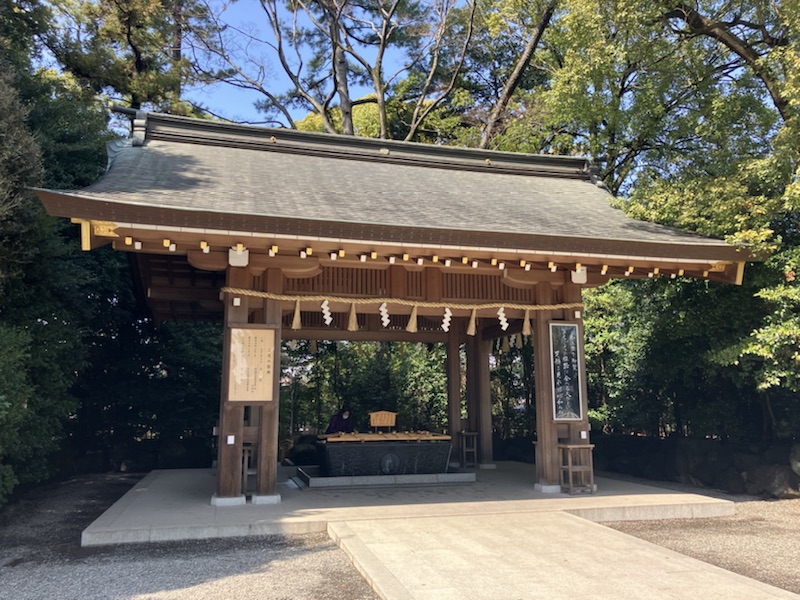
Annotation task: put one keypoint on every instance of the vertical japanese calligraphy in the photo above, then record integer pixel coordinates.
(252, 365)
(564, 350)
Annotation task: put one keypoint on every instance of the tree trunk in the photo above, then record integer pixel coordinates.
(702, 25)
(499, 112)
(177, 39)
(340, 74)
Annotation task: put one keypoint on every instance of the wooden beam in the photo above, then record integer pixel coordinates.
(293, 267)
(495, 331)
(517, 278)
(393, 335)
(212, 261)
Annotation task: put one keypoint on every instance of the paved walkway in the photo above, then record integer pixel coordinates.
(496, 538)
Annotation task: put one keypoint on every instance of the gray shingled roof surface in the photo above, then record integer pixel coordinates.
(231, 180)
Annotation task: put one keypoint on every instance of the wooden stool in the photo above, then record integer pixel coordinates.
(577, 470)
(469, 449)
(248, 465)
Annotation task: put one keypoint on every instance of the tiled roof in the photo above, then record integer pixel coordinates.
(375, 187)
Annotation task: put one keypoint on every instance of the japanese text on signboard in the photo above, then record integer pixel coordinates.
(565, 347)
(252, 356)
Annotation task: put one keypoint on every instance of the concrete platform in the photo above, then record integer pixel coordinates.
(495, 538)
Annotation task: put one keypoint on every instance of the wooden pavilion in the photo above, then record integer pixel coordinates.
(290, 235)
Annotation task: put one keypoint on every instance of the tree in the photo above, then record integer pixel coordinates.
(515, 78)
(130, 49)
(19, 167)
(751, 195)
(760, 35)
(326, 49)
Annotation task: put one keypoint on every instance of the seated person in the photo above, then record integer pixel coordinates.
(341, 422)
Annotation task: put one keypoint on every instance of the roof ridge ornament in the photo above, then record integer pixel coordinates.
(139, 128)
(113, 149)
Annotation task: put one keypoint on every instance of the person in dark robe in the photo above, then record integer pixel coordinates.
(341, 422)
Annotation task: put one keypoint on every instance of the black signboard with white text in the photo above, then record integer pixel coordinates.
(565, 361)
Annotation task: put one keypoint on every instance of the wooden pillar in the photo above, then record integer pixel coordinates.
(454, 390)
(268, 421)
(231, 416)
(547, 460)
(485, 446)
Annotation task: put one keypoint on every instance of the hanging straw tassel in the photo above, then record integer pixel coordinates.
(518, 340)
(352, 322)
(506, 348)
(296, 319)
(412, 321)
(471, 327)
(312, 346)
(526, 323)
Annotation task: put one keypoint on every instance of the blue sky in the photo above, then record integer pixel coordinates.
(237, 104)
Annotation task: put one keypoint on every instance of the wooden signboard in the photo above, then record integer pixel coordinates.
(565, 361)
(251, 376)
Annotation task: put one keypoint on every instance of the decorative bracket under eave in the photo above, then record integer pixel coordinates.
(95, 234)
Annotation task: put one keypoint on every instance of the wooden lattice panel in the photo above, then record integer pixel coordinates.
(482, 288)
(518, 295)
(341, 281)
(415, 283)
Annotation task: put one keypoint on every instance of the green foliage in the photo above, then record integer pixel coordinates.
(419, 370)
(47, 296)
(58, 139)
(777, 341)
(409, 379)
(659, 359)
(145, 388)
(70, 127)
(20, 167)
(131, 49)
(20, 21)
(512, 388)
(15, 394)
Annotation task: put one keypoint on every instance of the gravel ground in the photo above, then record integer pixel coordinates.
(41, 557)
(761, 541)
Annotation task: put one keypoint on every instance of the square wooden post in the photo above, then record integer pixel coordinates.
(547, 459)
(454, 390)
(267, 474)
(473, 382)
(479, 402)
(231, 415)
(485, 442)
